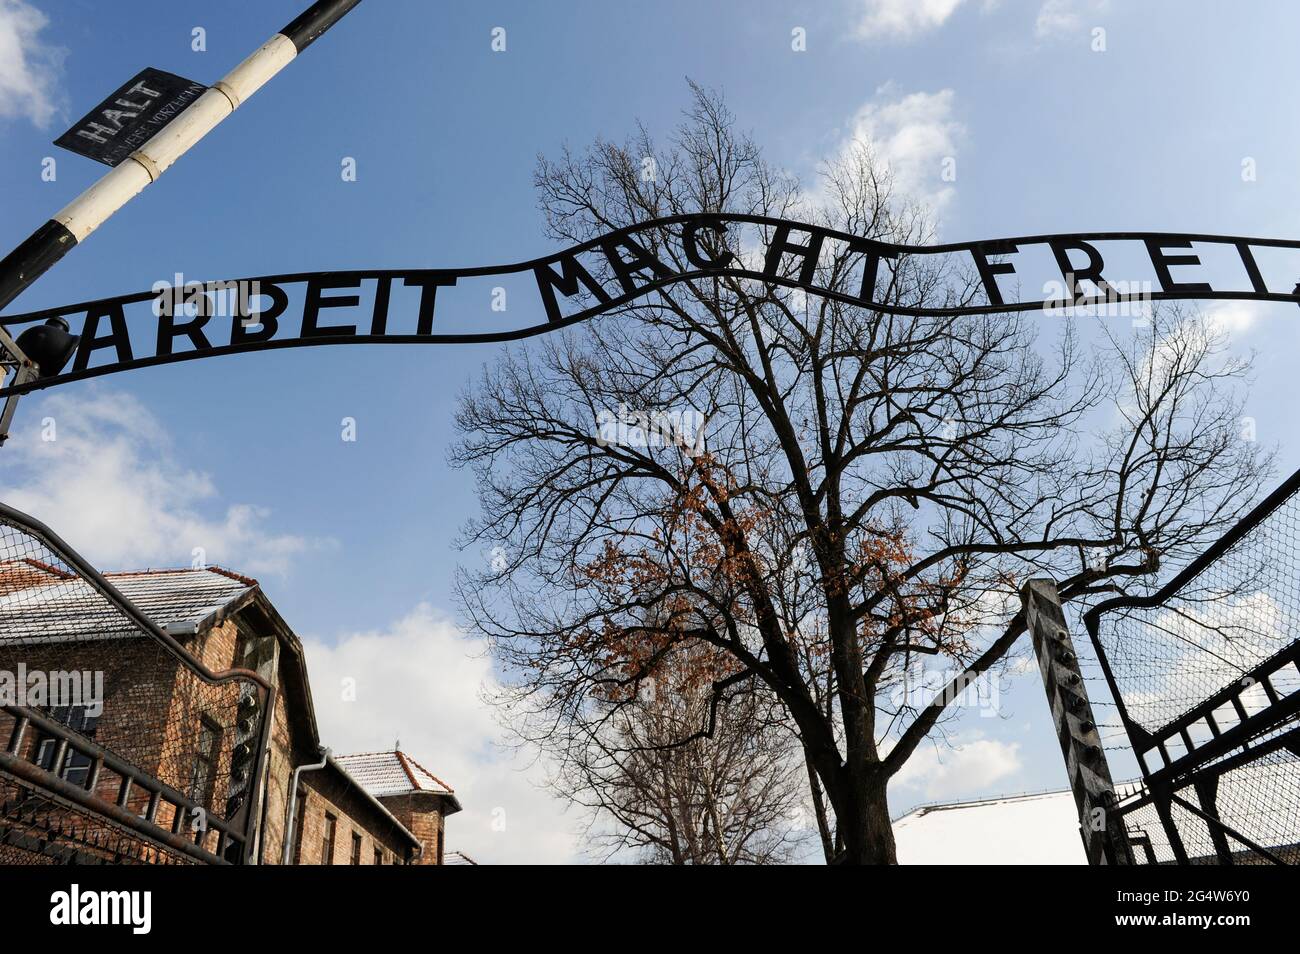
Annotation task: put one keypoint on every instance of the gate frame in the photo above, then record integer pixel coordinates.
(1175, 775)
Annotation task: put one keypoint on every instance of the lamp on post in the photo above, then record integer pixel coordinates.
(40, 352)
(48, 346)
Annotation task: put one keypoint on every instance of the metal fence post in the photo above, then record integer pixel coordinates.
(1104, 837)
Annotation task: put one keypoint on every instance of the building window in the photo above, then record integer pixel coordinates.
(75, 767)
(379, 855)
(327, 845)
(203, 771)
(299, 822)
(356, 848)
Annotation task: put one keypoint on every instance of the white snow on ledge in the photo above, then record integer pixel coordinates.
(1016, 830)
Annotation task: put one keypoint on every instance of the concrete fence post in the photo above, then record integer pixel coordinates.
(1104, 838)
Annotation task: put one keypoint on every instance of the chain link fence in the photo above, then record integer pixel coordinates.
(1205, 674)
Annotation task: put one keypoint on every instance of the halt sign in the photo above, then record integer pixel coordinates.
(130, 117)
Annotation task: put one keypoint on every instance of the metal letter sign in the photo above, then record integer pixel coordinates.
(130, 117)
(186, 320)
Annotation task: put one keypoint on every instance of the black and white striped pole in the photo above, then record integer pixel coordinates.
(1104, 838)
(70, 226)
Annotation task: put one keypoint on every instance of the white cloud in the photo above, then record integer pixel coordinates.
(1055, 17)
(28, 67)
(912, 135)
(908, 19)
(112, 485)
(970, 767)
(1060, 17)
(902, 19)
(422, 680)
(1023, 665)
(1230, 317)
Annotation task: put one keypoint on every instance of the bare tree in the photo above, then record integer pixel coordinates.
(873, 488)
(733, 797)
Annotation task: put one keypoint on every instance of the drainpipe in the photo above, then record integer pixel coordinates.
(293, 799)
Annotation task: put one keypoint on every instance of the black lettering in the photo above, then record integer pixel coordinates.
(1252, 269)
(781, 245)
(428, 285)
(1073, 274)
(690, 244)
(269, 319)
(1161, 263)
(118, 338)
(313, 304)
(626, 268)
(379, 314)
(168, 331)
(870, 265)
(571, 273)
(990, 270)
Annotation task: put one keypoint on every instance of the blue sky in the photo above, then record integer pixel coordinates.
(353, 540)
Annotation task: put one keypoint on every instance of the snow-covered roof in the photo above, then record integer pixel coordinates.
(1043, 829)
(1038, 829)
(45, 603)
(392, 773)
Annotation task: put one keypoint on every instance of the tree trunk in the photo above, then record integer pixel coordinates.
(868, 835)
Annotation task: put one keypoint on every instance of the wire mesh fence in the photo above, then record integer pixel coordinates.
(120, 742)
(1205, 674)
(39, 830)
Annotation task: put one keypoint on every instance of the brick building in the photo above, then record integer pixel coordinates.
(414, 795)
(123, 777)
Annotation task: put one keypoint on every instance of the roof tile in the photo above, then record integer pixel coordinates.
(36, 604)
(391, 773)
